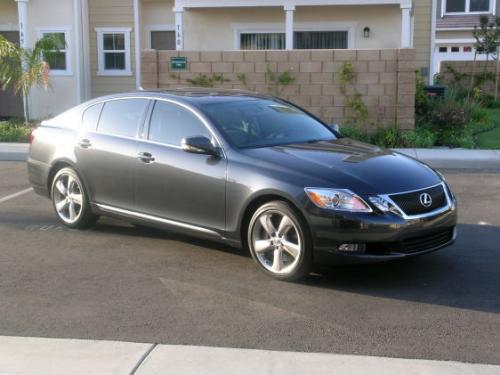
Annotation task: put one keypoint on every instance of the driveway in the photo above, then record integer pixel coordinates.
(119, 282)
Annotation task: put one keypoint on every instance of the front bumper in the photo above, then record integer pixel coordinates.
(382, 236)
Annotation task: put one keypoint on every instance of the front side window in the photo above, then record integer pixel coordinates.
(58, 59)
(122, 117)
(171, 123)
(467, 6)
(248, 122)
(113, 51)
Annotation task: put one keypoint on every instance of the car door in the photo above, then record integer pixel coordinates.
(177, 185)
(106, 153)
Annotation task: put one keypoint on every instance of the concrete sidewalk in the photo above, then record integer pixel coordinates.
(30, 356)
(437, 158)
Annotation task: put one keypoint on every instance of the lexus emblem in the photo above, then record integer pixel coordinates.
(425, 200)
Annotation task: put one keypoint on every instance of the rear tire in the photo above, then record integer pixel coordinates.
(279, 241)
(70, 200)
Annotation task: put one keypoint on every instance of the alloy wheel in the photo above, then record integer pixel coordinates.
(276, 242)
(68, 198)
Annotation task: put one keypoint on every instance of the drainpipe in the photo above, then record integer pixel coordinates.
(77, 21)
(87, 83)
(137, 39)
(432, 69)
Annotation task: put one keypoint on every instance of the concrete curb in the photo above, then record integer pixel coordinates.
(14, 151)
(437, 158)
(455, 158)
(30, 356)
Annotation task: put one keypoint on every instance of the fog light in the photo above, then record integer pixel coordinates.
(352, 247)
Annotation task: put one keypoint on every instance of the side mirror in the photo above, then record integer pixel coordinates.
(336, 128)
(199, 145)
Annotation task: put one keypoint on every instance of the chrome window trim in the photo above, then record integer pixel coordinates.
(106, 207)
(140, 137)
(447, 207)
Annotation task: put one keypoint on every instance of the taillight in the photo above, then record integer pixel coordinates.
(31, 136)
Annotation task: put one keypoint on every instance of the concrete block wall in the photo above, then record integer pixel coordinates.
(384, 78)
(467, 68)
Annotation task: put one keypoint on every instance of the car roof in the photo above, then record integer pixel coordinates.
(192, 95)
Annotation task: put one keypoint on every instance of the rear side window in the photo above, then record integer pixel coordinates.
(91, 116)
(170, 123)
(122, 117)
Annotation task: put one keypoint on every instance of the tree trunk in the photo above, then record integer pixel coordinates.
(26, 108)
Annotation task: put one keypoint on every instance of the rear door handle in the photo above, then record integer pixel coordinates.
(145, 157)
(84, 143)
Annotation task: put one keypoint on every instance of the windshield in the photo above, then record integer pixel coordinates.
(255, 122)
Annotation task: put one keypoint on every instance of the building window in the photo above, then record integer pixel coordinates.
(455, 49)
(262, 41)
(468, 6)
(302, 40)
(443, 49)
(320, 39)
(113, 47)
(467, 49)
(59, 58)
(163, 40)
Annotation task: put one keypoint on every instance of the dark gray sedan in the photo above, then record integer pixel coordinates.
(247, 169)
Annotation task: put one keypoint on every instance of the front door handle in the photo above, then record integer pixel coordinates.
(145, 157)
(84, 143)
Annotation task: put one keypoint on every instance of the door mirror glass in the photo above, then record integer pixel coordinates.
(199, 145)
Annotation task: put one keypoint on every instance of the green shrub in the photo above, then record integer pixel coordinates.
(419, 138)
(14, 131)
(355, 133)
(387, 137)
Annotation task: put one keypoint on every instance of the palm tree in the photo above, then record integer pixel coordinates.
(24, 68)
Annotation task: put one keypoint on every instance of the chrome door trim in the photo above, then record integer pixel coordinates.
(122, 211)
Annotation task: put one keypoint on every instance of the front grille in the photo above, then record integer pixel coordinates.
(410, 202)
(426, 242)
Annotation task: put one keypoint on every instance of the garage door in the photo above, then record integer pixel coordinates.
(10, 105)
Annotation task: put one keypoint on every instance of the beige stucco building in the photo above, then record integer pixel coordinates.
(104, 38)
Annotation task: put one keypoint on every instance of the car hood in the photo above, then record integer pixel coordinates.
(349, 164)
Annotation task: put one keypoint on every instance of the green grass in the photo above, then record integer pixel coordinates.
(14, 130)
(490, 139)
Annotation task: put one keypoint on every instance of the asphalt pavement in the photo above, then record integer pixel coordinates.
(119, 282)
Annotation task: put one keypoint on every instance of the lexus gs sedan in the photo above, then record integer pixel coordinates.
(247, 169)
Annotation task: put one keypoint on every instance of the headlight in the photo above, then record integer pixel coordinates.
(337, 199)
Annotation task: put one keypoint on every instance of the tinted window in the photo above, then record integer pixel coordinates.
(91, 116)
(261, 122)
(122, 117)
(170, 123)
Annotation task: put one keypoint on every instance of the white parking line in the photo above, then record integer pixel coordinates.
(15, 195)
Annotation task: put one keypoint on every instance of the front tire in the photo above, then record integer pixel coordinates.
(279, 241)
(70, 200)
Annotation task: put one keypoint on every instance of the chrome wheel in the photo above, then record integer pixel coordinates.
(276, 242)
(68, 197)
